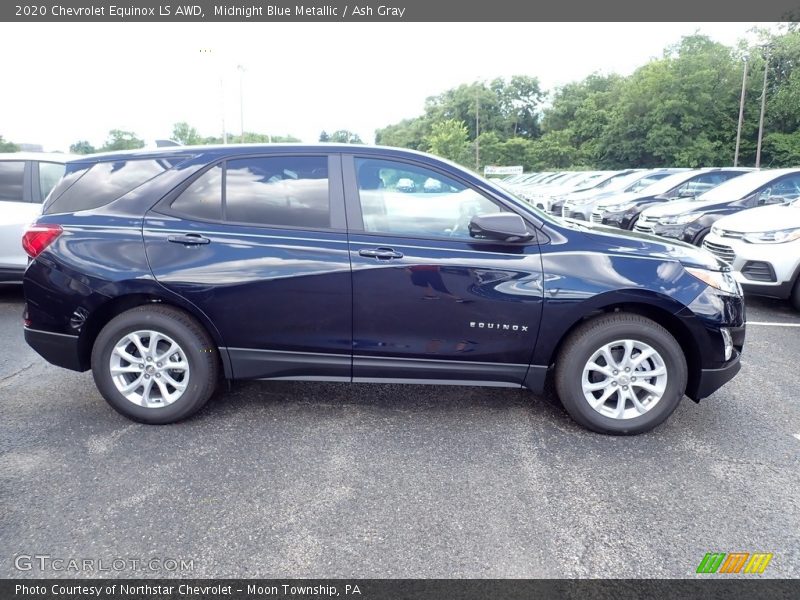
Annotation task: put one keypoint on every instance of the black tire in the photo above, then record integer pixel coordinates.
(698, 240)
(200, 352)
(633, 222)
(589, 338)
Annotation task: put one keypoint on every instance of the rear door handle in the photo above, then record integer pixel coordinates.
(189, 239)
(381, 253)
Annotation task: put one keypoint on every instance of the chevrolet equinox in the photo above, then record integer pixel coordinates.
(165, 271)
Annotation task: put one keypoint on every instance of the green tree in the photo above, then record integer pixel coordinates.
(185, 134)
(121, 140)
(408, 133)
(6, 146)
(265, 138)
(82, 147)
(324, 137)
(343, 136)
(449, 139)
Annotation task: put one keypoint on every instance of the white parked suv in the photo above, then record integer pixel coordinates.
(25, 180)
(763, 247)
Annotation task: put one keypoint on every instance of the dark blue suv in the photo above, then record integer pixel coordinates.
(165, 271)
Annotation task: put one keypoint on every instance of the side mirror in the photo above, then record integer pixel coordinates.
(662, 198)
(773, 200)
(686, 194)
(504, 227)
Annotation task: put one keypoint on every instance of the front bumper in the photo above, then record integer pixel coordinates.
(673, 232)
(619, 219)
(711, 380)
(59, 349)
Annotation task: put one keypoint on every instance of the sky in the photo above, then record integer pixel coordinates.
(70, 82)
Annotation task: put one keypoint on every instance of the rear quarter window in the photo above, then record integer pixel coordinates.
(100, 183)
(12, 179)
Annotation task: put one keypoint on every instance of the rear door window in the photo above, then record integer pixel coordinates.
(289, 191)
(12, 180)
(203, 198)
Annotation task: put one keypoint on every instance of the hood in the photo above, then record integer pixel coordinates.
(762, 218)
(679, 207)
(634, 243)
(621, 198)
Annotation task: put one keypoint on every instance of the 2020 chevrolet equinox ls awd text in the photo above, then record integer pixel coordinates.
(165, 271)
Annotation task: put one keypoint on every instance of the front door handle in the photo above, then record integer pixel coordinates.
(381, 253)
(189, 239)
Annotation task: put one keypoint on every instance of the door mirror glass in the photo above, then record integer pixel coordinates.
(504, 227)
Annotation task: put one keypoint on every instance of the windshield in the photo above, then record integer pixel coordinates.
(618, 183)
(608, 180)
(666, 184)
(646, 182)
(586, 180)
(740, 187)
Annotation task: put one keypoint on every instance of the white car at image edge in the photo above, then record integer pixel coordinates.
(763, 247)
(25, 180)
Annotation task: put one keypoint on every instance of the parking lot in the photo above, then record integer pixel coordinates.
(280, 479)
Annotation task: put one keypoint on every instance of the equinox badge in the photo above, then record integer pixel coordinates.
(504, 326)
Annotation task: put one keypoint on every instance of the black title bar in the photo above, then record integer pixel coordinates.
(396, 11)
(713, 587)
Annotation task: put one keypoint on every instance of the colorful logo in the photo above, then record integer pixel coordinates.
(734, 562)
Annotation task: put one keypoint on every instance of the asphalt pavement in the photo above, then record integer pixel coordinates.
(280, 479)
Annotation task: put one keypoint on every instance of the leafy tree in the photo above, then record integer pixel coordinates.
(264, 138)
(449, 139)
(408, 133)
(324, 137)
(342, 136)
(121, 140)
(82, 147)
(185, 134)
(6, 146)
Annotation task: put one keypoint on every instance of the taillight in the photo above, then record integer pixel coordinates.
(38, 237)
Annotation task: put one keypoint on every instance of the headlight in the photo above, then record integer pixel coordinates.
(719, 280)
(679, 219)
(778, 236)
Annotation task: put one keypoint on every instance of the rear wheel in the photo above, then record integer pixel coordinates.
(155, 364)
(621, 374)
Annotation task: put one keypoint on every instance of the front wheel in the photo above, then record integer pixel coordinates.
(155, 364)
(621, 374)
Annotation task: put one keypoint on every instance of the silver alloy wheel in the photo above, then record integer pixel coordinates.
(624, 379)
(149, 368)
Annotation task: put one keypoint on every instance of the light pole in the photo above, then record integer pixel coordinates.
(241, 70)
(763, 106)
(477, 133)
(741, 113)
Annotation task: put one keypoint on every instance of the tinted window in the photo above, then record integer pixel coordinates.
(49, 174)
(104, 182)
(778, 192)
(409, 200)
(203, 198)
(280, 190)
(12, 178)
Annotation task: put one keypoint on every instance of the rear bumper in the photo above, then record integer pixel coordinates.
(59, 349)
(713, 379)
(11, 274)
